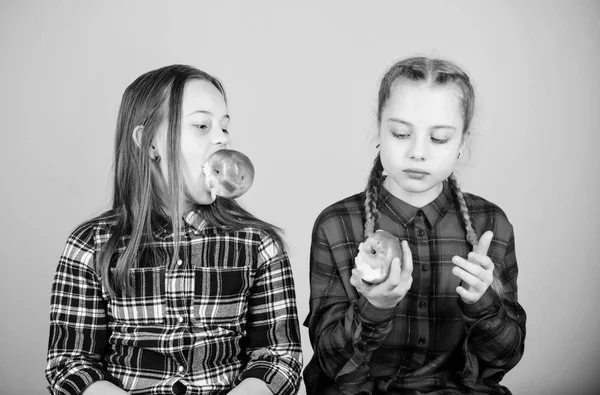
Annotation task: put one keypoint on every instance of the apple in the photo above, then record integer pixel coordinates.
(229, 173)
(375, 256)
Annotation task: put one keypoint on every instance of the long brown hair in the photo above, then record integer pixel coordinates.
(137, 209)
(432, 72)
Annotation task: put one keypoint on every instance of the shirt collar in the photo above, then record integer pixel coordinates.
(191, 219)
(195, 220)
(405, 213)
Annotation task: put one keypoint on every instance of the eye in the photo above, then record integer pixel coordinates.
(400, 135)
(201, 126)
(439, 141)
(225, 131)
(373, 251)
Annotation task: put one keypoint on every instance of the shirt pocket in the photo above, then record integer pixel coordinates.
(146, 304)
(221, 296)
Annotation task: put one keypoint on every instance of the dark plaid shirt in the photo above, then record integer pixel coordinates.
(430, 342)
(227, 312)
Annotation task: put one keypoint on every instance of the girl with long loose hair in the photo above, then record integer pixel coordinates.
(173, 291)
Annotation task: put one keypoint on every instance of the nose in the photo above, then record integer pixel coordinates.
(417, 149)
(220, 137)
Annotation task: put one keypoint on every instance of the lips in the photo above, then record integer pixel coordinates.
(416, 174)
(416, 171)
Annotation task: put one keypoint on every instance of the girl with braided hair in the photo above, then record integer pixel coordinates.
(446, 320)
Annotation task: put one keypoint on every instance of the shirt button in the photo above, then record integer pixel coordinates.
(181, 369)
(425, 267)
(422, 304)
(421, 233)
(421, 341)
(179, 262)
(180, 319)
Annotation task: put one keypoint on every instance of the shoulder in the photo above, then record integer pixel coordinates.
(342, 219)
(84, 241)
(487, 215)
(347, 207)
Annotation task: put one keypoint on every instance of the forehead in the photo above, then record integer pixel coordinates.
(419, 102)
(202, 95)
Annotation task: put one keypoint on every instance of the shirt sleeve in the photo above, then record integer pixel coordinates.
(77, 320)
(496, 326)
(273, 333)
(344, 328)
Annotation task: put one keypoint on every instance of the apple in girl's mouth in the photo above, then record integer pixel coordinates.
(229, 173)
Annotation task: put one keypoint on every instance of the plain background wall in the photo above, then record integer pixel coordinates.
(302, 81)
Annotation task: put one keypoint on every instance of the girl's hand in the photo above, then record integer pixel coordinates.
(251, 385)
(476, 273)
(388, 293)
(103, 388)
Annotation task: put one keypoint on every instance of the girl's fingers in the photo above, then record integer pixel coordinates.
(407, 263)
(356, 280)
(467, 277)
(470, 267)
(466, 296)
(394, 278)
(482, 260)
(483, 245)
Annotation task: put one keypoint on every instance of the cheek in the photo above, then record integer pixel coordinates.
(191, 169)
(392, 153)
(193, 157)
(447, 160)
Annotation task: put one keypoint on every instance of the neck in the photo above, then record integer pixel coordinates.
(415, 199)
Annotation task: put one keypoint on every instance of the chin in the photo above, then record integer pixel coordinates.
(200, 198)
(417, 186)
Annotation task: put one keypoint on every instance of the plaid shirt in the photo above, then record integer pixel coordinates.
(227, 312)
(430, 342)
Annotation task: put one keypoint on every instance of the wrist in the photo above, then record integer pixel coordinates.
(251, 385)
(373, 314)
(103, 387)
(384, 304)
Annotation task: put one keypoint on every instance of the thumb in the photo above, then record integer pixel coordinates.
(395, 270)
(484, 243)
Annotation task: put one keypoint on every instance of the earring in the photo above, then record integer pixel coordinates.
(377, 146)
(459, 154)
(156, 157)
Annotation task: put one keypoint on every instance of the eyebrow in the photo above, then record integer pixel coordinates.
(226, 116)
(398, 120)
(434, 127)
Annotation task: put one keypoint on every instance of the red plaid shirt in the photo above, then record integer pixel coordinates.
(430, 342)
(227, 312)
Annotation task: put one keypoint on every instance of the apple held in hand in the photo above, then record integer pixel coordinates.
(375, 256)
(229, 173)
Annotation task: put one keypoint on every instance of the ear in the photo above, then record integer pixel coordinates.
(465, 139)
(137, 138)
(137, 135)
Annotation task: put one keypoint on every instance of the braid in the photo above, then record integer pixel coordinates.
(464, 211)
(471, 235)
(372, 195)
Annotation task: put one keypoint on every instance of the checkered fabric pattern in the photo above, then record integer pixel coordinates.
(225, 313)
(430, 342)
